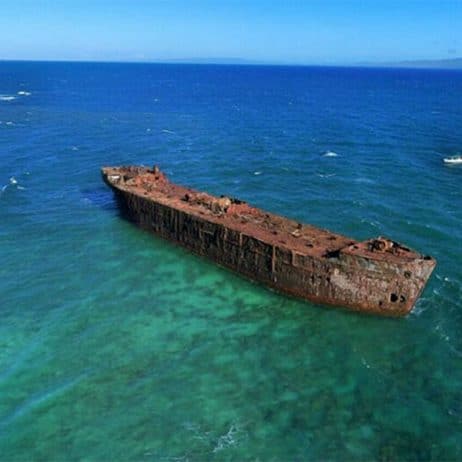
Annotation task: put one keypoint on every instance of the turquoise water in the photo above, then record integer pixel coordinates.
(116, 345)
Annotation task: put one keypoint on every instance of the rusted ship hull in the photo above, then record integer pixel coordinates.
(376, 276)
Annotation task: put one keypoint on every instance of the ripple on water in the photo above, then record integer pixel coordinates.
(110, 334)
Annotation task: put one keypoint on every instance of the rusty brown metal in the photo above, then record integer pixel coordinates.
(375, 276)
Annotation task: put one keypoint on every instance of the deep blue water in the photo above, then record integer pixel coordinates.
(116, 345)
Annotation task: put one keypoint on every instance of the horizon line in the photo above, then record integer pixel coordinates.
(419, 63)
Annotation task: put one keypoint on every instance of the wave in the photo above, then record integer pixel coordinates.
(330, 154)
(7, 97)
(325, 175)
(24, 93)
(364, 180)
(230, 438)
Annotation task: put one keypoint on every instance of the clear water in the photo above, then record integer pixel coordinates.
(116, 345)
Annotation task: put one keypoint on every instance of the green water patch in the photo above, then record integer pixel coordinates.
(153, 353)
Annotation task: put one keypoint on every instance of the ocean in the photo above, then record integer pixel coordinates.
(117, 345)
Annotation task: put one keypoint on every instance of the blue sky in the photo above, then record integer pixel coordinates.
(290, 31)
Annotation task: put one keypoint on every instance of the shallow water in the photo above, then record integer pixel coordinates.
(116, 345)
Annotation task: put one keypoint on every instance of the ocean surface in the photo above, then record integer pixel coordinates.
(117, 345)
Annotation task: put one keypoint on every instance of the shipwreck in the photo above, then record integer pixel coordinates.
(377, 276)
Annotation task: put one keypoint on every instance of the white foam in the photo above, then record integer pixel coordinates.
(7, 98)
(9, 123)
(330, 154)
(226, 440)
(325, 175)
(24, 93)
(13, 180)
(257, 173)
(168, 131)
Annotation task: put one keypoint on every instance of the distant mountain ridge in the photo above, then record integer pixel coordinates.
(453, 63)
(213, 61)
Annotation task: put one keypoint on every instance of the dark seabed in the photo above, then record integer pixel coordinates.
(116, 345)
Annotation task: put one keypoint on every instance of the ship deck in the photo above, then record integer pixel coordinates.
(234, 214)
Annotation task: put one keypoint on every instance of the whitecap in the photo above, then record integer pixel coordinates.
(325, 175)
(9, 123)
(330, 154)
(21, 187)
(257, 173)
(74, 148)
(7, 98)
(24, 93)
(168, 131)
(13, 180)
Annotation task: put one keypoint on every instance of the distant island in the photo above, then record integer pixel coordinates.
(454, 63)
(240, 61)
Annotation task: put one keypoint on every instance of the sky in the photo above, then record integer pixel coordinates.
(268, 31)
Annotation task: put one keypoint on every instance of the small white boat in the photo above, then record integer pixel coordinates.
(455, 160)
